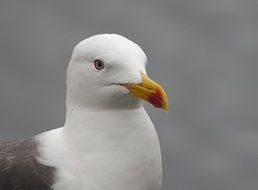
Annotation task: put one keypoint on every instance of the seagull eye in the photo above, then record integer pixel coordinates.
(99, 65)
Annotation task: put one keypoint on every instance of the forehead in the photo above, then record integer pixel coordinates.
(108, 46)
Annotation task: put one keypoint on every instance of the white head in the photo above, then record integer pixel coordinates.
(100, 69)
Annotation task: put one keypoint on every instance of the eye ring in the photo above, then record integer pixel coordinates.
(99, 65)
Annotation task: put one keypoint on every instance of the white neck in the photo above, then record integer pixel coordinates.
(86, 126)
(104, 150)
(124, 143)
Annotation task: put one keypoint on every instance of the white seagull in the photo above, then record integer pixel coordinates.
(108, 141)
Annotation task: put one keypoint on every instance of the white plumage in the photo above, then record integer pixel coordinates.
(108, 141)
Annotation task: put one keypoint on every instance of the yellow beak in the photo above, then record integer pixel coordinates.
(150, 91)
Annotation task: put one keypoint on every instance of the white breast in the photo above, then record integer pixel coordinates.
(121, 153)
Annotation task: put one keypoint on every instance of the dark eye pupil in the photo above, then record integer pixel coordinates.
(99, 64)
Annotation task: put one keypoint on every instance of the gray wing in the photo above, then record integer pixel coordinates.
(19, 169)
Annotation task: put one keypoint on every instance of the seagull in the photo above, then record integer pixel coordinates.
(108, 141)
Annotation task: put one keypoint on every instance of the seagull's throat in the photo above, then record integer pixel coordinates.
(115, 143)
(103, 129)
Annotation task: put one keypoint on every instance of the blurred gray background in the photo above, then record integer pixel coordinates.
(204, 52)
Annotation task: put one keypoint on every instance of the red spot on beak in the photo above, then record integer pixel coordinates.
(156, 99)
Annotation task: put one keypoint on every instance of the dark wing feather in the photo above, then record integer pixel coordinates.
(19, 169)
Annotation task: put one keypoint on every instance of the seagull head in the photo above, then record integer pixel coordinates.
(108, 71)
